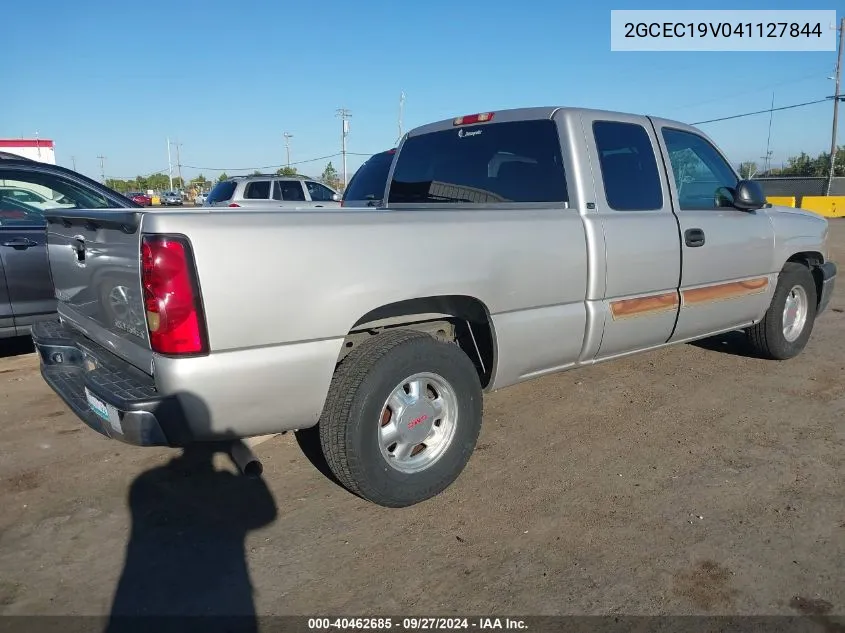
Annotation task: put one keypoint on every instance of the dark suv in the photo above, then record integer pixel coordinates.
(27, 188)
(366, 188)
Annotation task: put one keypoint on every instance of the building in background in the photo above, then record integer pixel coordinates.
(40, 149)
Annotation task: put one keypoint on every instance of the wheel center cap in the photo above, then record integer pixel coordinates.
(416, 422)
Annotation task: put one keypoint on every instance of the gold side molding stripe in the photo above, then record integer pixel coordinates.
(721, 292)
(642, 306)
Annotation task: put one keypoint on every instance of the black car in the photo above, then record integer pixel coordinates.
(366, 188)
(27, 189)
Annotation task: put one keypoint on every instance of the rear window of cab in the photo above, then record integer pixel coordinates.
(491, 163)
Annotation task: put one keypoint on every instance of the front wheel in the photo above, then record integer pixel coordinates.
(401, 418)
(785, 329)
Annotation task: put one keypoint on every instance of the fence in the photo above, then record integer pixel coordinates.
(800, 186)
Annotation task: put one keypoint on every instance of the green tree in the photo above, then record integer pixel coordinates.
(199, 181)
(158, 182)
(256, 173)
(286, 171)
(330, 176)
(222, 177)
(121, 186)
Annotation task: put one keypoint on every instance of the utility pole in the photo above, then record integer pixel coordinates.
(344, 115)
(768, 156)
(836, 97)
(102, 169)
(401, 111)
(169, 165)
(179, 166)
(288, 137)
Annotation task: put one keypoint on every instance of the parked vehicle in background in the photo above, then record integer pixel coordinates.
(367, 186)
(31, 198)
(141, 198)
(171, 198)
(512, 245)
(199, 199)
(27, 189)
(271, 191)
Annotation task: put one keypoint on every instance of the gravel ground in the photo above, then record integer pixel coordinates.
(692, 480)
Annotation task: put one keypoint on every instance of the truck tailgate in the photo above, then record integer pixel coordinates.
(95, 264)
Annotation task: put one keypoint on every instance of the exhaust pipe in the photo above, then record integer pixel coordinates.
(245, 459)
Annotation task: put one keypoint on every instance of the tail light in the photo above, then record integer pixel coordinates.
(473, 118)
(234, 204)
(171, 296)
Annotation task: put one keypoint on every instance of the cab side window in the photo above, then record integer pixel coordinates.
(703, 178)
(628, 166)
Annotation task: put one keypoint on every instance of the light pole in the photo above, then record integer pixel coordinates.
(344, 115)
(288, 137)
(836, 98)
(169, 165)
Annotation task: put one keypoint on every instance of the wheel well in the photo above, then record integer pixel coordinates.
(812, 260)
(457, 318)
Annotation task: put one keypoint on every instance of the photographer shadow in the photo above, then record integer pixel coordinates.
(186, 552)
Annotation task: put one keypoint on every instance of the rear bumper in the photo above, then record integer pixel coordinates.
(89, 378)
(828, 277)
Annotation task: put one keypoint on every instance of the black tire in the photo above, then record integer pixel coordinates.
(767, 337)
(349, 424)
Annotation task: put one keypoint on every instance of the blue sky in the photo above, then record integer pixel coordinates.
(228, 78)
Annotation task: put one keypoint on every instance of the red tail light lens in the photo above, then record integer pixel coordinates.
(234, 204)
(171, 297)
(474, 118)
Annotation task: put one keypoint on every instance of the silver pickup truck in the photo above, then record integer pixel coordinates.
(508, 245)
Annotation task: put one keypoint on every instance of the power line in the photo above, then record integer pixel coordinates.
(739, 116)
(733, 95)
(298, 162)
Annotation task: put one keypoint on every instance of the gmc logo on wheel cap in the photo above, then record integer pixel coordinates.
(416, 421)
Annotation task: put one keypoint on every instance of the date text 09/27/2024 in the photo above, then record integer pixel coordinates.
(416, 624)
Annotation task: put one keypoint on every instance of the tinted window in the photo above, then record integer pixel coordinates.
(25, 195)
(488, 163)
(222, 191)
(318, 192)
(288, 190)
(628, 166)
(257, 190)
(370, 181)
(701, 174)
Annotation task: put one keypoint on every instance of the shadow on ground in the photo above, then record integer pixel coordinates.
(186, 551)
(734, 343)
(17, 346)
(309, 444)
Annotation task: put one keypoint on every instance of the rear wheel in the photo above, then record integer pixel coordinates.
(402, 418)
(785, 329)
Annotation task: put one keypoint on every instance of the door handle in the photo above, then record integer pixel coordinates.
(20, 243)
(694, 237)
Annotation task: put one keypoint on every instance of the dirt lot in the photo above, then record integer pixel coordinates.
(691, 480)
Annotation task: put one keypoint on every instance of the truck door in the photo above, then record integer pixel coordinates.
(726, 279)
(641, 247)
